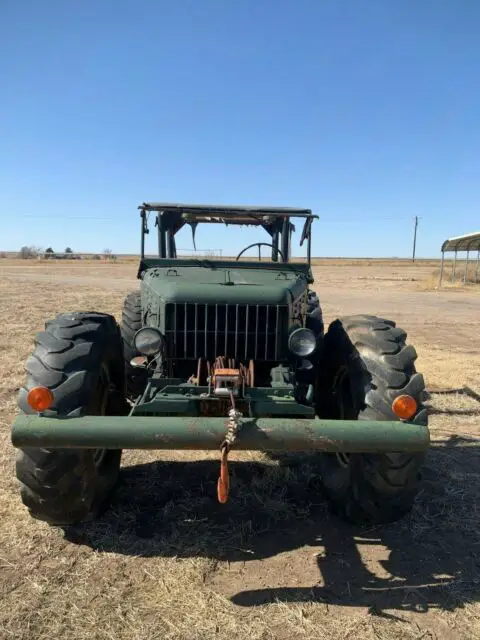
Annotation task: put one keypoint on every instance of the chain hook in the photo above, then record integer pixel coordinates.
(223, 484)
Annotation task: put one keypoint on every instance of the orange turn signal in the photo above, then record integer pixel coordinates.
(404, 407)
(40, 398)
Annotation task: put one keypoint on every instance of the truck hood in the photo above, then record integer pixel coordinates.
(225, 284)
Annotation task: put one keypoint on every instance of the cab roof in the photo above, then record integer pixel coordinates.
(239, 214)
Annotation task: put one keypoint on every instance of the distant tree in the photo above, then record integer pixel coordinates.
(27, 252)
(68, 250)
(49, 253)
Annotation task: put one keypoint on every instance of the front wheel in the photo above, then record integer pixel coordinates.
(79, 357)
(368, 364)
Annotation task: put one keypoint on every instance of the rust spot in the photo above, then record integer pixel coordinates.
(192, 427)
(219, 407)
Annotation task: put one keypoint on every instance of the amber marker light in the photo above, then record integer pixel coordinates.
(404, 407)
(40, 398)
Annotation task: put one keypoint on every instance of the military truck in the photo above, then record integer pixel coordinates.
(221, 354)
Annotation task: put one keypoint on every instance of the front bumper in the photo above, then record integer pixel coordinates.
(206, 433)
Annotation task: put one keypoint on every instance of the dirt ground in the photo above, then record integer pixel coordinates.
(167, 561)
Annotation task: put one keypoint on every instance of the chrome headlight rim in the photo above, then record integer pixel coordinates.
(148, 341)
(302, 342)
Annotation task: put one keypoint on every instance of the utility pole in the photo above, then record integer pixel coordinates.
(415, 238)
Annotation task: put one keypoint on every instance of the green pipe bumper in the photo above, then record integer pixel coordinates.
(203, 433)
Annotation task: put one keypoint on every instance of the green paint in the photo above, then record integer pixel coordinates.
(199, 433)
(175, 398)
(230, 284)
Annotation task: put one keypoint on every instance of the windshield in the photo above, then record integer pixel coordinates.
(239, 235)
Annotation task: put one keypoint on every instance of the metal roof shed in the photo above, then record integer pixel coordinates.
(468, 242)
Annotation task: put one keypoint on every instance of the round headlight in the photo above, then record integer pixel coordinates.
(302, 342)
(148, 341)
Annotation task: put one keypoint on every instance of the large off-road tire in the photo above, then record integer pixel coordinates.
(79, 357)
(368, 364)
(136, 377)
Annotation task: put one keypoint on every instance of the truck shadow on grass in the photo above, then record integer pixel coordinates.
(169, 509)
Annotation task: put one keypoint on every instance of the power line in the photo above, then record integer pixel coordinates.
(360, 220)
(66, 217)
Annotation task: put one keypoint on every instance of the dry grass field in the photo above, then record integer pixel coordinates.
(168, 562)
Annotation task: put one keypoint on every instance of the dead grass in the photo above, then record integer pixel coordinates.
(471, 281)
(167, 562)
(449, 366)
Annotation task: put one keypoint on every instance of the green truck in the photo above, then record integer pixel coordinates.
(221, 354)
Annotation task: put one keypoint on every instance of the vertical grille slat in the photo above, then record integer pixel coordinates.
(247, 310)
(205, 347)
(185, 329)
(174, 346)
(256, 332)
(216, 329)
(277, 325)
(237, 331)
(196, 330)
(226, 330)
(267, 335)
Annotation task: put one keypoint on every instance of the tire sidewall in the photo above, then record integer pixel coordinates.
(81, 488)
(355, 485)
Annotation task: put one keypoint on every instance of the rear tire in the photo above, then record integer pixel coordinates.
(79, 358)
(136, 377)
(368, 364)
(314, 320)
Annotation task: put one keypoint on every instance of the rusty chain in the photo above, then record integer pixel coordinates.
(233, 427)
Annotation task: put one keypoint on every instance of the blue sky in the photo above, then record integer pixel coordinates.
(366, 111)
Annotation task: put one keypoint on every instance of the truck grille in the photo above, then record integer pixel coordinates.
(254, 331)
